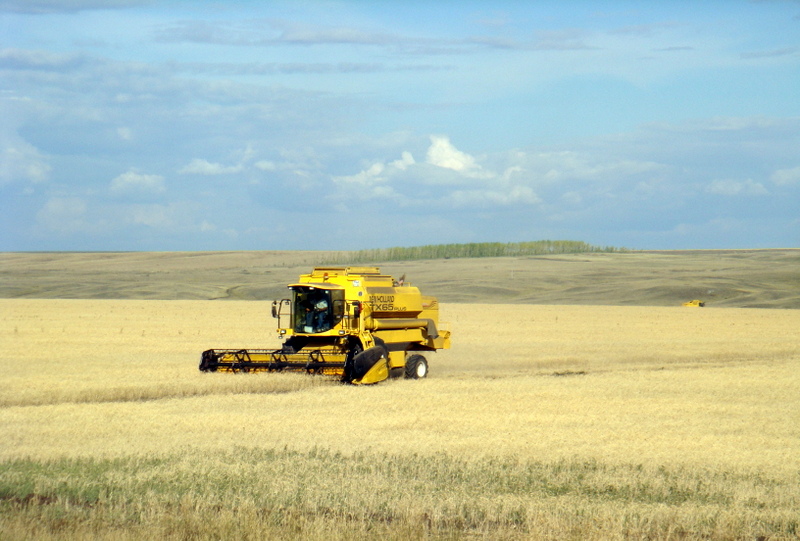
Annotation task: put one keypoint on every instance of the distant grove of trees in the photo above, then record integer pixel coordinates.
(473, 249)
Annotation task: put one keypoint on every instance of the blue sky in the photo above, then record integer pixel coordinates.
(210, 125)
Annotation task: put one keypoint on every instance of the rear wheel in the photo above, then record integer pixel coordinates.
(416, 367)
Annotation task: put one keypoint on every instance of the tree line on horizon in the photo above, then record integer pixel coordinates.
(470, 250)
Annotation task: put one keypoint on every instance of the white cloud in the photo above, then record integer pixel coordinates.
(176, 216)
(722, 124)
(64, 215)
(133, 183)
(265, 165)
(152, 216)
(204, 167)
(39, 60)
(571, 165)
(368, 184)
(66, 6)
(126, 134)
(511, 171)
(404, 162)
(785, 177)
(450, 177)
(247, 153)
(515, 195)
(367, 178)
(732, 187)
(373, 182)
(22, 162)
(442, 153)
(572, 198)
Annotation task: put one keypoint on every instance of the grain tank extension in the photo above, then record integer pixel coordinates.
(353, 323)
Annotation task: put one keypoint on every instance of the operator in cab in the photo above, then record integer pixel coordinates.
(316, 312)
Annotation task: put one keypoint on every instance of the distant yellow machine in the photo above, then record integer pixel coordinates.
(349, 322)
(694, 304)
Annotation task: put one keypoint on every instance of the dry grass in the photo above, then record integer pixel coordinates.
(542, 421)
(730, 278)
(250, 493)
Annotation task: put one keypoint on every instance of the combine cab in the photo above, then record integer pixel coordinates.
(353, 323)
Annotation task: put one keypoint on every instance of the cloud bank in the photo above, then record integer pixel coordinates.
(155, 126)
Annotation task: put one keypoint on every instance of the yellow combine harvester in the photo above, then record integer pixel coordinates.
(694, 304)
(349, 322)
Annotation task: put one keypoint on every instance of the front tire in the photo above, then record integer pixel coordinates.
(355, 350)
(364, 361)
(416, 367)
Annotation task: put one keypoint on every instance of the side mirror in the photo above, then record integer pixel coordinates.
(357, 309)
(274, 308)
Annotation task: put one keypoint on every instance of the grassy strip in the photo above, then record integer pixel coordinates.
(469, 250)
(320, 494)
(138, 391)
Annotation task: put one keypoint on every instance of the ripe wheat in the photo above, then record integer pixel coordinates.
(541, 421)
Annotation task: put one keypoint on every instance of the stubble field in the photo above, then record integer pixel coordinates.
(721, 278)
(542, 421)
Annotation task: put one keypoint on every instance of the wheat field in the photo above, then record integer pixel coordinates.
(541, 422)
